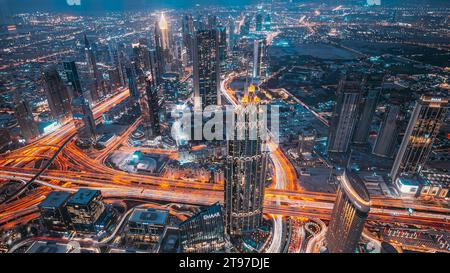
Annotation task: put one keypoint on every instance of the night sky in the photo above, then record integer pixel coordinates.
(111, 5)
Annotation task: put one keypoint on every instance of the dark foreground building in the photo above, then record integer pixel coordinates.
(204, 232)
(349, 214)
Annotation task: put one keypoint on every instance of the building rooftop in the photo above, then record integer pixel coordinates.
(149, 216)
(53, 247)
(55, 199)
(83, 197)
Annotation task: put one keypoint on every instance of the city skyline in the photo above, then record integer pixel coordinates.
(266, 127)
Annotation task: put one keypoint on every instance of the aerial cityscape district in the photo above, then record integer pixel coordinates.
(237, 127)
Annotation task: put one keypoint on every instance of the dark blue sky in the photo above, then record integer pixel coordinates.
(112, 5)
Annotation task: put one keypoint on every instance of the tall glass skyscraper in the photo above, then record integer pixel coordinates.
(57, 95)
(350, 211)
(206, 68)
(344, 116)
(426, 120)
(204, 232)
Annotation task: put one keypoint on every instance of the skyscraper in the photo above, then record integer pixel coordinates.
(149, 103)
(259, 58)
(222, 41)
(187, 28)
(162, 44)
(24, 115)
(426, 120)
(132, 79)
(206, 68)
(350, 211)
(57, 94)
(245, 169)
(258, 21)
(81, 111)
(344, 116)
(365, 118)
(204, 232)
(388, 133)
(96, 91)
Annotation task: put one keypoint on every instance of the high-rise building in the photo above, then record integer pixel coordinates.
(426, 120)
(54, 215)
(146, 226)
(204, 232)
(372, 90)
(24, 115)
(222, 41)
(344, 116)
(187, 28)
(258, 21)
(245, 169)
(206, 68)
(350, 211)
(156, 68)
(85, 208)
(388, 133)
(259, 58)
(162, 44)
(149, 103)
(132, 79)
(96, 91)
(81, 111)
(141, 56)
(267, 22)
(57, 95)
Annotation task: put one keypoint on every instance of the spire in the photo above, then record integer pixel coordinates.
(163, 22)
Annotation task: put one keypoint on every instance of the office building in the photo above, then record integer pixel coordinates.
(245, 169)
(54, 215)
(187, 28)
(426, 119)
(259, 58)
(85, 209)
(371, 94)
(24, 115)
(96, 90)
(344, 117)
(349, 214)
(306, 142)
(146, 226)
(57, 95)
(206, 68)
(204, 232)
(81, 111)
(150, 109)
(386, 141)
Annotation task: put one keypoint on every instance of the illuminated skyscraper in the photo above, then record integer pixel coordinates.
(426, 120)
(350, 211)
(149, 103)
(204, 232)
(387, 135)
(96, 91)
(344, 116)
(162, 44)
(24, 115)
(245, 169)
(156, 68)
(57, 95)
(81, 111)
(206, 68)
(259, 58)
